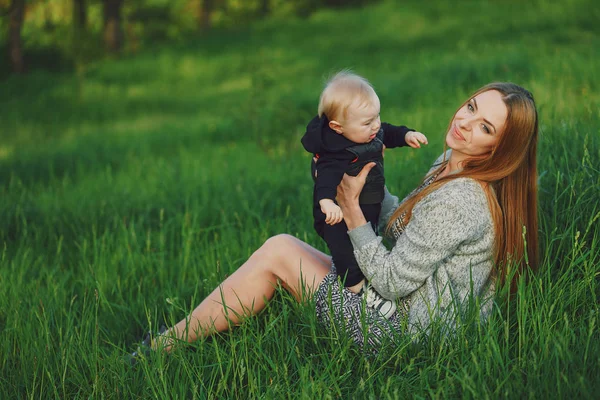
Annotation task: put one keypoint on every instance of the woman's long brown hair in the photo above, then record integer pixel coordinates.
(508, 175)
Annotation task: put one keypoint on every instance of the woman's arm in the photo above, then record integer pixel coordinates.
(388, 206)
(441, 221)
(348, 192)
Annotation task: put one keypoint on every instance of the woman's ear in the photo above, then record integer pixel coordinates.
(336, 126)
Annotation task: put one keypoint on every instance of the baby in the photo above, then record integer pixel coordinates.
(345, 136)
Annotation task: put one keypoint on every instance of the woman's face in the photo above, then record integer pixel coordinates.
(477, 125)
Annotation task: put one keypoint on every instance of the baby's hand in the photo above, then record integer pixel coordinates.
(414, 139)
(332, 211)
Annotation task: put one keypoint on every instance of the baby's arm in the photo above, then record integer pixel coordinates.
(414, 139)
(399, 136)
(333, 212)
(328, 176)
(394, 136)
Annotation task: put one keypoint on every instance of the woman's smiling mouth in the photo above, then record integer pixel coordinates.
(456, 133)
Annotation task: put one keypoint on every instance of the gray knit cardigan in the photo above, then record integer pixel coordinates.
(443, 258)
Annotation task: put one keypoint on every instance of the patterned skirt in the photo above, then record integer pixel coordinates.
(339, 308)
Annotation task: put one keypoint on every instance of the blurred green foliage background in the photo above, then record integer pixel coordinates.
(61, 34)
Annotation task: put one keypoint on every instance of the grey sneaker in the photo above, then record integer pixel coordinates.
(144, 348)
(374, 300)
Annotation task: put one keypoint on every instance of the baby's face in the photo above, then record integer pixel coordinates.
(362, 122)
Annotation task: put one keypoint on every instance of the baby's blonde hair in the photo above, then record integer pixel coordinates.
(341, 91)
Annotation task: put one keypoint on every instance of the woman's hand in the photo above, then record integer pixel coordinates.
(348, 192)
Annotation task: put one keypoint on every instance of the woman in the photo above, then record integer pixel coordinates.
(454, 235)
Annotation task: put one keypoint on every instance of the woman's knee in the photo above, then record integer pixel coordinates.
(279, 245)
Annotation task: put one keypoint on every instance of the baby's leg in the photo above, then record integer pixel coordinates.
(342, 251)
(371, 213)
(342, 254)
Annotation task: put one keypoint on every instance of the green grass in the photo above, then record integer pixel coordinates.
(127, 194)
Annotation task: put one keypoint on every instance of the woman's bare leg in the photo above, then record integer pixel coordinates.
(283, 259)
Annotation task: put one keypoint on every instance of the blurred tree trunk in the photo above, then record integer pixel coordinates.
(15, 44)
(204, 19)
(265, 8)
(113, 29)
(79, 23)
(79, 15)
(79, 32)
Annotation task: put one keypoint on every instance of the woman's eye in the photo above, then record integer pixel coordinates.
(485, 129)
(470, 107)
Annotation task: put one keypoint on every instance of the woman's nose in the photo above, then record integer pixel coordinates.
(464, 123)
